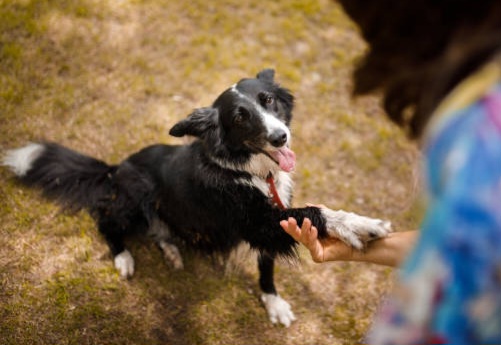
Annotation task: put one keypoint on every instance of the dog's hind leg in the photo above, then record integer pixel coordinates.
(122, 258)
(160, 233)
(172, 254)
(279, 310)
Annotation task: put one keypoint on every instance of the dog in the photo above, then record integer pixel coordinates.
(232, 184)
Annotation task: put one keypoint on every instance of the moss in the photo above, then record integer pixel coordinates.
(11, 54)
(309, 7)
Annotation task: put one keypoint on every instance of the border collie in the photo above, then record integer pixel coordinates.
(231, 185)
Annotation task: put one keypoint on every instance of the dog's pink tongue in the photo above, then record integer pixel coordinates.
(286, 159)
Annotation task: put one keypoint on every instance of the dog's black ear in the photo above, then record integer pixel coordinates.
(267, 75)
(196, 124)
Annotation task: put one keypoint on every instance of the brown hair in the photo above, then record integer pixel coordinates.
(420, 49)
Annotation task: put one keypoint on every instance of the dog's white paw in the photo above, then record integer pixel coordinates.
(124, 263)
(172, 255)
(353, 229)
(279, 310)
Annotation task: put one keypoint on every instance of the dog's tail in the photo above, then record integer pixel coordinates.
(74, 180)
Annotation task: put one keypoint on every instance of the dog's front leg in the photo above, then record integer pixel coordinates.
(279, 310)
(351, 228)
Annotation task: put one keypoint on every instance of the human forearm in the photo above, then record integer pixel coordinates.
(389, 251)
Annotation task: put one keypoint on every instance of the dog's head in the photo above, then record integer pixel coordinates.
(248, 124)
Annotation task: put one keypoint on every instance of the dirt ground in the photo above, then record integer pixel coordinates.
(108, 77)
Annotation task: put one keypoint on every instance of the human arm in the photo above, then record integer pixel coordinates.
(390, 250)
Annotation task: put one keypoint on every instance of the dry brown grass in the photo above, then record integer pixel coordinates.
(108, 77)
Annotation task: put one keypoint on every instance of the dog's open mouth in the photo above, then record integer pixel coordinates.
(284, 157)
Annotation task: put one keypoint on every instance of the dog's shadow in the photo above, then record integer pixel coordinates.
(210, 300)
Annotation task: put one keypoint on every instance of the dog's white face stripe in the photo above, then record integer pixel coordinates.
(270, 122)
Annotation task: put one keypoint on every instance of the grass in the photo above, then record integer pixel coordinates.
(109, 77)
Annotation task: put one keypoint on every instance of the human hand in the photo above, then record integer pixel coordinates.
(328, 249)
(389, 251)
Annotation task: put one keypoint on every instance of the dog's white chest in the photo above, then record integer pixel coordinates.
(283, 184)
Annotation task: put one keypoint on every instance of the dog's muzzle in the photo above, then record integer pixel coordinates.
(278, 138)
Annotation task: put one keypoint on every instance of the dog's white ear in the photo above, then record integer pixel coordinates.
(200, 121)
(267, 75)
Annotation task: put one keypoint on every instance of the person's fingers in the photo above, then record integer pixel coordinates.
(293, 228)
(290, 227)
(285, 225)
(303, 234)
(307, 235)
(313, 234)
(305, 231)
(316, 248)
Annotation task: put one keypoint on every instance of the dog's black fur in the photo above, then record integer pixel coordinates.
(209, 194)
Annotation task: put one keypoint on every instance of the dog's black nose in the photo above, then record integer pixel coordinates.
(278, 138)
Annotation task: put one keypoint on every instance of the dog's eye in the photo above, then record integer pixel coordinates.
(241, 116)
(266, 99)
(238, 119)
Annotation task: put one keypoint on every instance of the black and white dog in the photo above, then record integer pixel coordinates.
(231, 185)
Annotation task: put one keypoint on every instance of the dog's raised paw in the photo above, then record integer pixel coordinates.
(353, 229)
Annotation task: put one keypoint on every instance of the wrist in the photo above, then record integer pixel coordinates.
(336, 250)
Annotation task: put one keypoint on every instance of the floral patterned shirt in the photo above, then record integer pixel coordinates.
(449, 289)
